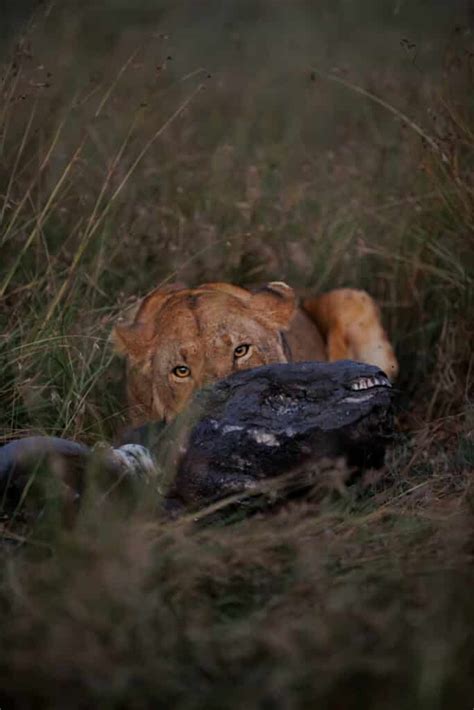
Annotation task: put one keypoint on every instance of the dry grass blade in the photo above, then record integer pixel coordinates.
(96, 221)
(27, 194)
(389, 107)
(41, 218)
(26, 134)
(113, 85)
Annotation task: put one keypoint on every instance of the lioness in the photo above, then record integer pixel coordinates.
(183, 338)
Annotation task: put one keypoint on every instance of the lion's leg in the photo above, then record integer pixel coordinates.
(337, 347)
(350, 322)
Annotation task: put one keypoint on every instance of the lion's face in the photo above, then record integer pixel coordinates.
(183, 339)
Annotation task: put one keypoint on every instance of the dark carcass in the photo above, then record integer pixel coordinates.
(265, 422)
(249, 427)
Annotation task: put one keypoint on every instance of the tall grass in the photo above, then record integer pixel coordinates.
(125, 163)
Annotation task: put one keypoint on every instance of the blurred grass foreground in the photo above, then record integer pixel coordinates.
(323, 143)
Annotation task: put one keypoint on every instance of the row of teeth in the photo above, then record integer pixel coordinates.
(365, 383)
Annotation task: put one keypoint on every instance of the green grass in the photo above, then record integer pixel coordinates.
(321, 150)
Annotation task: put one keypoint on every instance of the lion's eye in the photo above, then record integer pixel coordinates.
(181, 371)
(241, 350)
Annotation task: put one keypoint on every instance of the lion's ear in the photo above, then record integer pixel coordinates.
(134, 339)
(277, 303)
(130, 340)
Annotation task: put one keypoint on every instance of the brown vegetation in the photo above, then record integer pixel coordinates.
(303, 157)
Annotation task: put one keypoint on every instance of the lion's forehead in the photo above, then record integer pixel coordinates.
(208, 319)
(203, 328)
(208, 343)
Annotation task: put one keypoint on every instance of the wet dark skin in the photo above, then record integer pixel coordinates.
(267, 421)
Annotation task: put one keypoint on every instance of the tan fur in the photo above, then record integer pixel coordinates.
(201, 328)
(349, 321)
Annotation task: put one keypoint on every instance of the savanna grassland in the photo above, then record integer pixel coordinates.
(321, 143)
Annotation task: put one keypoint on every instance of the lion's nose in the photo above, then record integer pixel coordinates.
(209, 379)
(216, 366)
(214, 374)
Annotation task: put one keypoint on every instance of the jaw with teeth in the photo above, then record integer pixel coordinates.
(366, 383)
